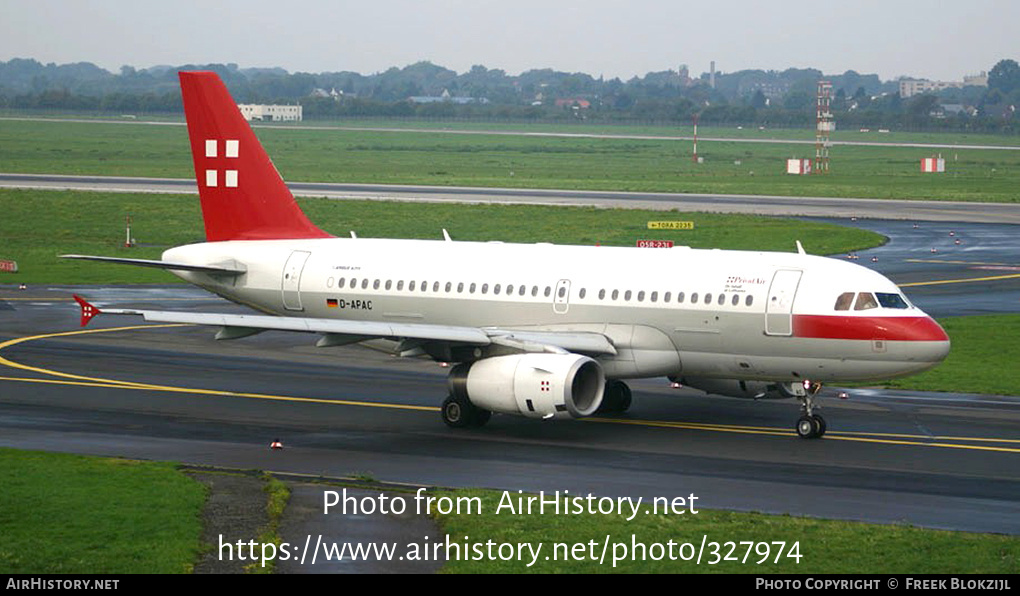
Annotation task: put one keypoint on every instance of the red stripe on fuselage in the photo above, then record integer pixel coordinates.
(868, 328)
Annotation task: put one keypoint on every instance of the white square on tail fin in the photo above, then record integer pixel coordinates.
(232, 147)
(210, 178)
(210, 148)
(231, 181)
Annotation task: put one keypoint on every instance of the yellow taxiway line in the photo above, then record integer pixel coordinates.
(959, 281)
(86, 381)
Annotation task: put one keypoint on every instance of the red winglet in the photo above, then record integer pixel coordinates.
(87, 310)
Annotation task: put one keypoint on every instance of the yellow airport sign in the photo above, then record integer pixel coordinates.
(671, 225)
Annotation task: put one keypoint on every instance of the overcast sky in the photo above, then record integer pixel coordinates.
(929, 39)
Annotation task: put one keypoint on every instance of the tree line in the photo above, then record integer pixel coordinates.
(749, 97)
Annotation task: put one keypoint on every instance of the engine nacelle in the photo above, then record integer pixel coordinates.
(532, 385)
(746, 389)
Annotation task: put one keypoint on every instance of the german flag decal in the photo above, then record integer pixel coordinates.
(331, 302)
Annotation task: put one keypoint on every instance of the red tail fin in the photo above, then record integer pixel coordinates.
(243, 196)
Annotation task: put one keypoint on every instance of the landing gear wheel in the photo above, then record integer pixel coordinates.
(455, 415)
(461, 413)
(807, 427)
(616, 399)
(481, 417)
(820, 422)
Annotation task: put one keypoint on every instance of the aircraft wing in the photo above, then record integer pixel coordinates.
(340, 331)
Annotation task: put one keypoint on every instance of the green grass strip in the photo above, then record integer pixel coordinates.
(39, 225)
(825, 546)
(491, 160)
(277, 497)
(74, 514)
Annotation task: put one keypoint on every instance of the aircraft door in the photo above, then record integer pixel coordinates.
(561, 297)
(291, 282)
(779, 308)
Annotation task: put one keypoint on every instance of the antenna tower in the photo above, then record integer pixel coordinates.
(825, 125)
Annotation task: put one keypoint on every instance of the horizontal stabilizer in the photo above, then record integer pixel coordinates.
(221, 269)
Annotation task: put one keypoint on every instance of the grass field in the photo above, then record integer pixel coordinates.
(39, 225)
(577, 127)
(332, 155)
(85, 515)
(826, 546)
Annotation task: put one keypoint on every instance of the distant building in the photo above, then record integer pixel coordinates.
(571, 102)
(911, 87)
(333, 93)
(447, 98)
(270, 113)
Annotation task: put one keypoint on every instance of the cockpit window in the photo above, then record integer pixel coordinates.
(865, 301)
(891, 300)
(844, 301)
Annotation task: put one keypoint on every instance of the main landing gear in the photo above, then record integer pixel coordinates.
(616, 399)
(459, 412)
(810, 425)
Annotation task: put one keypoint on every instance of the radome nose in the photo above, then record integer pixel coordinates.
(931, 343)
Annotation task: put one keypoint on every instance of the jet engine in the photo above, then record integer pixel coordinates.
(533, 385)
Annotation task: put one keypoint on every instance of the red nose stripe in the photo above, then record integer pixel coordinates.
(868, 328)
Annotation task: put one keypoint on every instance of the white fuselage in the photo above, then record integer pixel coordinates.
(705, 313)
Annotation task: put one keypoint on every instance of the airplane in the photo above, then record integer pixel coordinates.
(540, 330)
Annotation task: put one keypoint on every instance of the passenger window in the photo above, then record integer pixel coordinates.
(364, 284)
(736, 300)
(721, 300)
(626, 295)
(602, 294)
(749, 300)
(389, 284)
(460, 287)
(680, 298)
(641, 296)
(410, 287)
(375, 285)
(844, 301)
(522, 290)
(582, 293)
(616, 294)
(449, 286)
(655, 297)
(400, 285)
(485, 288)
(471, 288)
(694, 298)
(562, 292)
(548, 291)
(665, 297)
(435, 286)
(534, 290)
(865, 301)
(340, 282)
(509, 289)
(708, 298)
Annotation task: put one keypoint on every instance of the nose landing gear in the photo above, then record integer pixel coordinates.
(810, 425)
